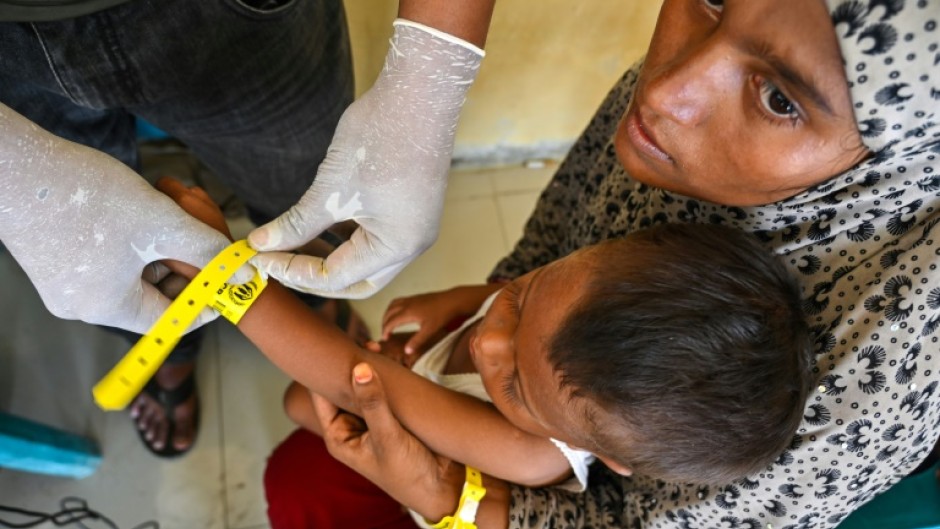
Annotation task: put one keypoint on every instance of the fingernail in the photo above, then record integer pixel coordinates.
(259, 237)
(362, 373)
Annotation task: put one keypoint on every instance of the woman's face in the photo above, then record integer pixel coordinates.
(741, 102)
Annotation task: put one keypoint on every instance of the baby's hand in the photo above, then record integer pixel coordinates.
(195, 201)
(430, 312)
(394, 347)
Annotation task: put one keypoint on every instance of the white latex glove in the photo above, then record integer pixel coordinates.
(84, 226)
(386, 169)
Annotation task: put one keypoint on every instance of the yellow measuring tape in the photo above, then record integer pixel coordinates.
(208, 289)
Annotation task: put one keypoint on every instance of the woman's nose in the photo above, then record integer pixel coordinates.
(688, 88)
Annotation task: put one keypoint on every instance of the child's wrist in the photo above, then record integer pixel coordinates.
(438, 494)
(472, 493)
(232, 301)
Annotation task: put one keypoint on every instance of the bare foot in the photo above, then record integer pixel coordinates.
(168, 436)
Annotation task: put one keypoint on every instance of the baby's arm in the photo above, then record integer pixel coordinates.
(321, 357)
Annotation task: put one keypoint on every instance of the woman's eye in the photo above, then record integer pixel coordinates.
(714, 5)
(509, 389)
(510, 294)
(776, 102)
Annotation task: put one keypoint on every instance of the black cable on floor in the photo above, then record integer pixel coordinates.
(72, 511)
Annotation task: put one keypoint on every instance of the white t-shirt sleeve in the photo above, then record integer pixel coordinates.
(579, 460)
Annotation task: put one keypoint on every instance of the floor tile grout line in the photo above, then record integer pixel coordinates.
(219, 396)
(502, 224)
(520, 191)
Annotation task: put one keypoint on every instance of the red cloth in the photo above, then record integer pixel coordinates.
(307, 488)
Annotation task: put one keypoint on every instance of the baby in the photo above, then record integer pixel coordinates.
(679, 352)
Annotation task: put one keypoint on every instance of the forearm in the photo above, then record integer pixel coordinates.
(442, 496)
(320, 356)
(466, 19)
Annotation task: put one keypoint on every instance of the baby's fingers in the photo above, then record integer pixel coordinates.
(395, 321)
(394, 310)
(418, 343)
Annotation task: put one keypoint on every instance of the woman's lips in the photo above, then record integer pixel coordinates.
(643, 139)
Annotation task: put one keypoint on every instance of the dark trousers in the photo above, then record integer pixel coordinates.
(255, 92)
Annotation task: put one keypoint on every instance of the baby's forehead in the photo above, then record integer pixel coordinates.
(576, 417)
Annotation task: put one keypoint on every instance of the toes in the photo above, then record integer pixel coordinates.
(146, 418)
(185, 418)
(157, 436)
(161, 427)
(149, 418)
(136, 407)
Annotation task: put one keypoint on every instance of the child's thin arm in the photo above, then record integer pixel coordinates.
(321, 357)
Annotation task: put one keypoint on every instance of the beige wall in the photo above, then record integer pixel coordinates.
(548, 65)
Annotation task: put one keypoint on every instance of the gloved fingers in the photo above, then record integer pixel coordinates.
(305, 273)
(364, 264)
(174, 283)
(297, 226)
(353, 284)
(288, 267)
(211, 242)
(244, 274)
(152, 304)
(206, 315)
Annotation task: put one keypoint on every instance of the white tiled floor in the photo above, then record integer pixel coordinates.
(48, 366)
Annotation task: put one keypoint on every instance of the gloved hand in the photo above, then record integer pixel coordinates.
(84, 227)
(386, 169)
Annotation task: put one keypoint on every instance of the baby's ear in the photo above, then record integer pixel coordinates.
(616, 467)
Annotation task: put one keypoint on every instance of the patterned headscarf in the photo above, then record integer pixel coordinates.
(864, 246)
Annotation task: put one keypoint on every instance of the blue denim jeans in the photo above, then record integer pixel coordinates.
(254, 88)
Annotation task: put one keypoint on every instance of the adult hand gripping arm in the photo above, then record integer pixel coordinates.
(84, 227)
(386, 169)
(379, 448)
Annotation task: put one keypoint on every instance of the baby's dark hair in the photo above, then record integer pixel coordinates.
(691, 344)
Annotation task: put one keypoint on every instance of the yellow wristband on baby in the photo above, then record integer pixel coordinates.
(208, 289)
(466, 515)
(233, 301)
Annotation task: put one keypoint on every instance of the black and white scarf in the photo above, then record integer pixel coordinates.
(864, 247)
